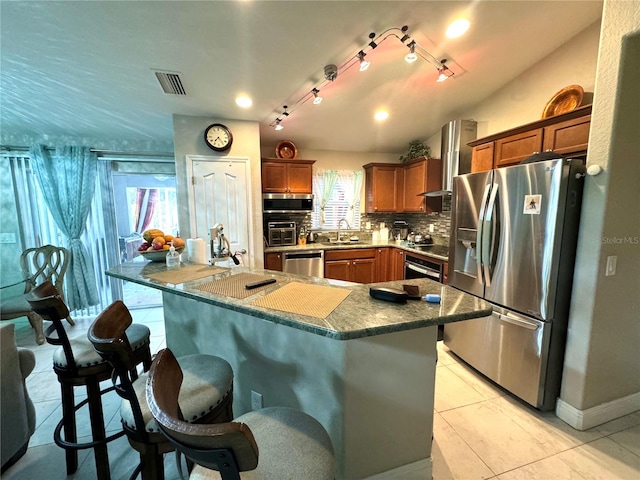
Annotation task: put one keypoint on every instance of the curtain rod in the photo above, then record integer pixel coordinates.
(100, 153)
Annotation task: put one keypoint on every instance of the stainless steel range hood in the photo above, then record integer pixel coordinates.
(455, 153)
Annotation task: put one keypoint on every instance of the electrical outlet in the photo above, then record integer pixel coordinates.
(256, 400)
(611, 266)
(431, 228)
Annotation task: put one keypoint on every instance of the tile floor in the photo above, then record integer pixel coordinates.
(480, 432)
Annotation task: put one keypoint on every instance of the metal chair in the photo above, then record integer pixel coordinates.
(76, 363)
(41, 264)
(273, 443)
(209, 389)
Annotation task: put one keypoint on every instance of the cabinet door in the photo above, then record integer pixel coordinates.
(382, 264)
(482, 158)
(337, 269)
(273, 261)
(569, 137)
(300, 178)
(445, 273)
(397, 264)
(415, 182)
(381, 189)
(363, 270)
(274, 177)
(512, 150)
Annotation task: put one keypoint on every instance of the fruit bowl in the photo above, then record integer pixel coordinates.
(158, 255)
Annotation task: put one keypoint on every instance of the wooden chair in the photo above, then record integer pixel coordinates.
(272, 443)
(209, 389)
(41, 264)
(76, 363)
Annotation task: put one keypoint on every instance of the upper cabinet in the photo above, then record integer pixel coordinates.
(287, 176)
(391, 188)
(381, 187)
(566, 134)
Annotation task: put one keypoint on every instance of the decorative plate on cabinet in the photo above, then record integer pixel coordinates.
(567, 99)
(286, 149)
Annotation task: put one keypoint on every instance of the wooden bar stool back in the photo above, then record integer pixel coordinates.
(270, 443)
(76, 363)
(209, 390)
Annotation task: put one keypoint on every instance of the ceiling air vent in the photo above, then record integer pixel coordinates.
(170, 82)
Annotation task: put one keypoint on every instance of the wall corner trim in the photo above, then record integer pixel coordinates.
(594, 416)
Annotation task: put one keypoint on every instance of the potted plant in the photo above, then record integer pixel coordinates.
(416, 149)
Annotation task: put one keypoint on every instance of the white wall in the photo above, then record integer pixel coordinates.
(188, 139)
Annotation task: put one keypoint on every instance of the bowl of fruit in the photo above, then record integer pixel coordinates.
(156, 245)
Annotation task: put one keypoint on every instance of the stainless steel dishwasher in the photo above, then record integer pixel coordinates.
(308, 262)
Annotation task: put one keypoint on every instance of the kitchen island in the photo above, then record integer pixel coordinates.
(366, 370)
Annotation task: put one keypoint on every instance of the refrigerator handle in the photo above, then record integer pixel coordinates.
(521, 322)
(487, 230)
(479, 231)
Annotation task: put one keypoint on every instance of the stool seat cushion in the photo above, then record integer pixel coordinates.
(291, 445)
(84, 354)
(207, 381)
(15, 304)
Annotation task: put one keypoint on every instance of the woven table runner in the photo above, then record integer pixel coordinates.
(233, 286)
(304, 299)
(185, 273)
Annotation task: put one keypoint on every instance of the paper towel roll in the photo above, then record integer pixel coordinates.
(197, 250)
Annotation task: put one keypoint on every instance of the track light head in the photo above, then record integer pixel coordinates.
(443, 72)
(411, 56)
(330, 72)
(405, 37)
(277, 125)
(316, 98)
(372, 44)
(364, 64)
(284, 112)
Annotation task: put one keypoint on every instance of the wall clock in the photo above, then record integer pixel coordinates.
(218, 137)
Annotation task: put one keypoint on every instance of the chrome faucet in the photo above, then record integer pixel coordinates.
(340, 223)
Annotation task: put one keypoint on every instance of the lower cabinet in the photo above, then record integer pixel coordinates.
(273, 261)
(445, 272)
(396, 264)
(382, 264)
(356, 265)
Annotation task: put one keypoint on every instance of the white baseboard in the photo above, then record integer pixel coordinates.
(420, 470)
(594, 416)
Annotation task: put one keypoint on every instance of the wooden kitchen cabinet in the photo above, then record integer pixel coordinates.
(513, 149)
(355, 265)
(382, 264)
(381, 187)
(287, 176)
(445, 273)
(569, 137)
(273, 261)
(482, 157)
(396, 264)
(418, 176)
(566, 134)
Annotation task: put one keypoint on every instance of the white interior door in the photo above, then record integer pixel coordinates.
(219, 193)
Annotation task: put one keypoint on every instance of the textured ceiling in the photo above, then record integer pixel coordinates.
(86, 68)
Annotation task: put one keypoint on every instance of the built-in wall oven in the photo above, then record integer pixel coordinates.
(416, 267)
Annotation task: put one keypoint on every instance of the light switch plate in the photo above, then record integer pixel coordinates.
(611, 265)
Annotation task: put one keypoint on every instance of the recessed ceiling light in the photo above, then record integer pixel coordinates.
(381, 115)
(244, 101)
(458, 28)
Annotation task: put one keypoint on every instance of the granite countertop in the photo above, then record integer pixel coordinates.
(359, 315)
(437, 253)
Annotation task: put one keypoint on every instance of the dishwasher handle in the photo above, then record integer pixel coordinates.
(303, 255)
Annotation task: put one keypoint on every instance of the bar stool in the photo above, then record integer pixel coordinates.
(272, 443)
(76, 364)
(208, 389)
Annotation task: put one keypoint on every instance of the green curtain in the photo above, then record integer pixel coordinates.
(67, 179)
(330, 177)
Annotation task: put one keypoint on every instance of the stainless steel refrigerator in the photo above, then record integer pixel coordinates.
(513, 241)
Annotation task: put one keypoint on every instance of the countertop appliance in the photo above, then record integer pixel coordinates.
(513, 241)
(281, 234)
(308, 262)
(456, 154)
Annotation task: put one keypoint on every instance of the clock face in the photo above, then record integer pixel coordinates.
(218, 137)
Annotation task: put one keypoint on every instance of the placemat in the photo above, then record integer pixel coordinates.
(305, 299)
(185, 273)
(233, 286)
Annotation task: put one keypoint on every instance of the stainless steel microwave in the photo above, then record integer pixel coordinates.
(287, 202)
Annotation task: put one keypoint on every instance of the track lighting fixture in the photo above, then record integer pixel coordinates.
(443, 71)
(316, 98)
(412, 56)
(364, 64)
(331, 71)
